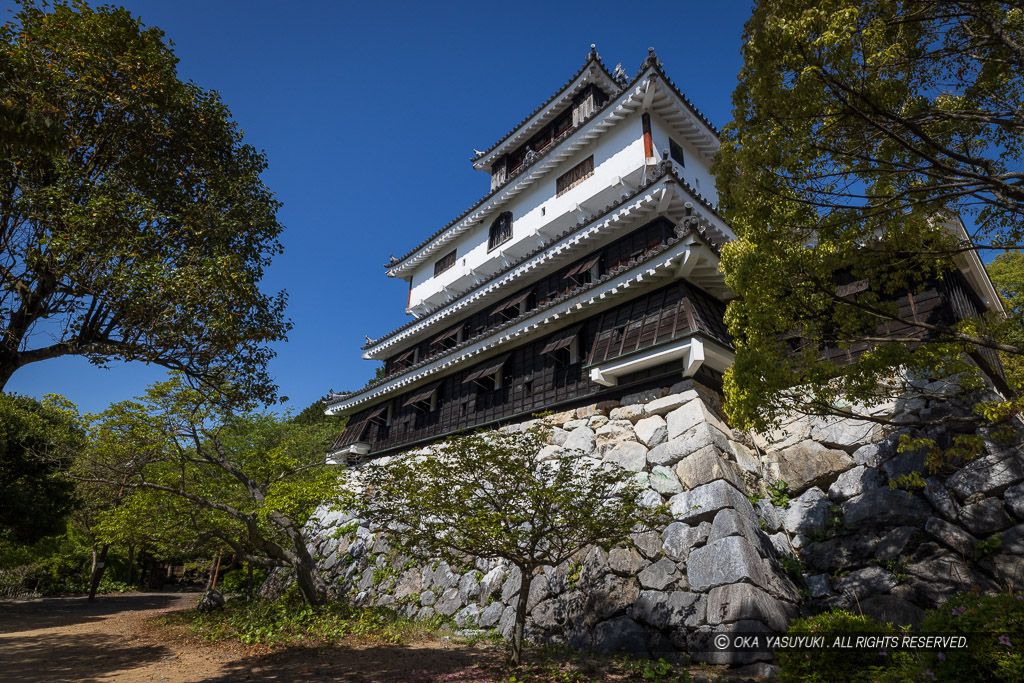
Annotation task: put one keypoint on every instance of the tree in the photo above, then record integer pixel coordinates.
(127, 198)
(37, 440)
(861, 129)
(1007, 273)
(247, 480)
(486, 495)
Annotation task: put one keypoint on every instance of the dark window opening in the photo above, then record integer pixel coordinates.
(575, 175)
(675, 150)
(501, 230)
(444, 263)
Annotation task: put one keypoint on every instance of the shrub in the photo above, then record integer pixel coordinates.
(236, 580)
(825, 664)
(994, 624)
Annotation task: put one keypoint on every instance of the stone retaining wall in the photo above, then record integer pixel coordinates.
(730, 560)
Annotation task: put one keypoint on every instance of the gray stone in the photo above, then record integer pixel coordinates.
(385, 600)
(490, 615)
(989, 475)
(808, 464)
(644, 396)
(705, 466)
(212, 600)
(1012, 540)
(839, 553)
(557, 436)
(806, 513)
(659, 575)
(613, 432)
(649, 499)
(731, 523)
(651, 431)
(540, 590)
(679, 538)
(904, 464)
(613, 594)
(843, 432)
(666, 404)
(550, 452)
(629, 455)
(702, 503)
(691, 415)
(854, 482)
(425, 613)
(985, 517)
(866, 582)
(428, 598)
(885, 507)
(620, 635)
(627, 412)
(511, 586)
(869, 455)
(1014, 499)
(490, 585)
(727, 560)
(941, 499)
(892, 544)
(547, 614)
(469, 586)
(625, 561)
(664, 610)
(668, 453)
(580, 439)
(573, 425)
(951, 536)
(507, 622)
(409, 582)
(467, 616)
(742, 601)
(747, 459)
(939, 573)
(818, 585)
(449, 602)
(769, 514)
(781, 544)
(701, 436)
(648, 543)
(665, 481)
(597, 421)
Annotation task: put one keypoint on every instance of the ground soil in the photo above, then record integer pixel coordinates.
(118, 638)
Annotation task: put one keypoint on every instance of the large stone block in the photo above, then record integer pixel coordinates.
(678, 539)
(1014, 499)
(629, 455)
(989, 475)
(580, 439)
(651, 431)
(855, 482)
(625, 561)
(613, 594)
(951, 536)
(666, 404)
(885, 507)
(807, 513)
(620, 635)
(659, 575)
(693, 414)
(739, 601)
(729, 560)
(490, 615)
(1013, 541)
(613, 432)
(892, 609)
(728, 522)
(671, 609)
(866, 582)
(627, 412)
(808, 464)
(985, 517)
(706, 466)
(844, 432)
(701, 503)
(664, 481)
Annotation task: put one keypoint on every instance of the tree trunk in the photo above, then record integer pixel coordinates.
(131, 564)
(248, 581)
(311, 584)
(520, 627)
(98, 565)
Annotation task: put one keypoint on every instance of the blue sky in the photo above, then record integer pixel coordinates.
(369, 113)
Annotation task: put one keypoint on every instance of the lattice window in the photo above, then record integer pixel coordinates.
(444, 263)
(575, 175)
(675, 150)
(501, 230)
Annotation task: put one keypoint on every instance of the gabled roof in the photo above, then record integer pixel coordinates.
(650, 64)
(593, 68)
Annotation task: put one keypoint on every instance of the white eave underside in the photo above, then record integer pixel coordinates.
(689, 259)
(666, 198)
(662, 100)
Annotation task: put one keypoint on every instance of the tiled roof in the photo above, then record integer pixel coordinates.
(664, 170)
(698, 231)
(651, 61)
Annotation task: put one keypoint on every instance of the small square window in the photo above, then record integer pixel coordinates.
(444, 263)
(675, 150)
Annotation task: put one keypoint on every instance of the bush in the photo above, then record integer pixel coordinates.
(826, 664)
(236, 580)
(995, 651)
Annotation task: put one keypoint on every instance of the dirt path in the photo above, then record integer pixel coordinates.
(113, 639)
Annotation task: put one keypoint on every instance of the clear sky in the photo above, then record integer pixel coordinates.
(369, 113)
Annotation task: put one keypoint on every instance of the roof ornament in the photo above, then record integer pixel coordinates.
(619, 74)
(593, 52)
(652, 60)
(478, 152)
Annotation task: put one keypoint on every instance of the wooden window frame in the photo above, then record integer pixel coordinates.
(445, 262)
(675, 150)
(574, 176)
(496, 231)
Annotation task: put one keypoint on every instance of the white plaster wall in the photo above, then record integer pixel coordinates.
(537, 214)
(696, 172)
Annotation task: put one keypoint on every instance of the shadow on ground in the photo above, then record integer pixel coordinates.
(53, 657)
(22, 615)
(379, 664)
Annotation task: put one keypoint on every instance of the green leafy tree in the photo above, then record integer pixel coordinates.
(37, 441)
(861, 129)
(486, 495)
(128, 197)
(243, 479)
(1007, 273)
